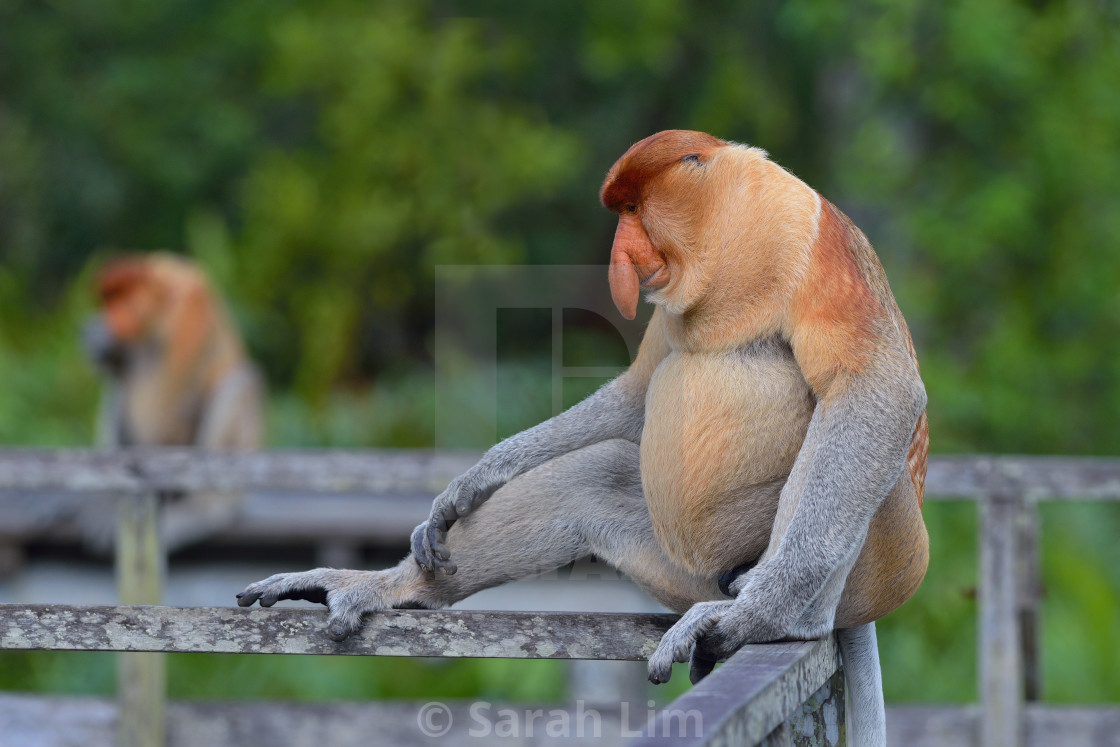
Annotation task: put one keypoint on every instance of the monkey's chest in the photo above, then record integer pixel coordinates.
(722, 431)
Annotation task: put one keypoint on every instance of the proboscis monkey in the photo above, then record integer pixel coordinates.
(176, 370)
(759, 467)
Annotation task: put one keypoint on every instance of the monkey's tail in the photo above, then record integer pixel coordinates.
(867, 720)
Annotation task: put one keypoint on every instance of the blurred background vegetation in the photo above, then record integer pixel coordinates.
(320, 160)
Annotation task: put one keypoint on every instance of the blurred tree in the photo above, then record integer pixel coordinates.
(115, 121)
(403, 164)
(982, 142)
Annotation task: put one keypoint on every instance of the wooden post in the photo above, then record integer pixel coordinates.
(1001, 664)
(141, 677)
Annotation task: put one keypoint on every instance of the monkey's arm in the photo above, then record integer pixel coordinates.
(853, 454)
(617, 410)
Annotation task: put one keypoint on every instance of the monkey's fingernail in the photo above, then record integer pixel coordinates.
(462, 508)
(241, 594)
(337, 633)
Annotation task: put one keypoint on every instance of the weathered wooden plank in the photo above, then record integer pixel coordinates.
(455, 633)
(63, 721)
(36, 721)
(1044, 726)
(336, 470)
(423, 471)
(1041, 477)
(261, 518)
(934, 726)
(1000, 653)
(750, 696)
(1072, 726)
(819, 721)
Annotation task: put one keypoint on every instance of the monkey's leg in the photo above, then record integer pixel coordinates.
(613, 412)
(585, 502)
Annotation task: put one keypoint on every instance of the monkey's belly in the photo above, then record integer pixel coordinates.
(721, 434)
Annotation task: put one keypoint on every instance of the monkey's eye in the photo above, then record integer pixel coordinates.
(631, 208)
(691, 158)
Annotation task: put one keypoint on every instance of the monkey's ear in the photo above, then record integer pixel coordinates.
(191, 318)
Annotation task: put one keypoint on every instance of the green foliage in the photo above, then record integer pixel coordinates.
(404, 167)
(983, 142)
(235, 677)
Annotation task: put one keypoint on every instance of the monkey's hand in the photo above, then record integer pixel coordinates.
(709, 632)
(462, 496)
(347, 594)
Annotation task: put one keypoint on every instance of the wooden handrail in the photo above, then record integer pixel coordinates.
(232, 630)
(418, 471)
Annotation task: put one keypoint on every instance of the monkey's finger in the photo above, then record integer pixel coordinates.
(660, 671)
(661, 664)
(260, 591)
(316, 594)
(464, 504)
(436, 535)
(420, 551)
(439, 556)
(701, 664)
(246, 598)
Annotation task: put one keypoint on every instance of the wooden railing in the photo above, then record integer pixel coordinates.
(783, 693)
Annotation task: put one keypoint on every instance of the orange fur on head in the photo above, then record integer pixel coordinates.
(635, 261)
(646, 159)
(128, 296)
(166, 298)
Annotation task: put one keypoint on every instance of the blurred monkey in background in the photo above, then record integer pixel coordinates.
(176, 372)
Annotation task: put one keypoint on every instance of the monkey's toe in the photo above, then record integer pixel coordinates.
(246, 598)
(282, 586)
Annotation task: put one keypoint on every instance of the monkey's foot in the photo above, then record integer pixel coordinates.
(708, 633)
(347, 594)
